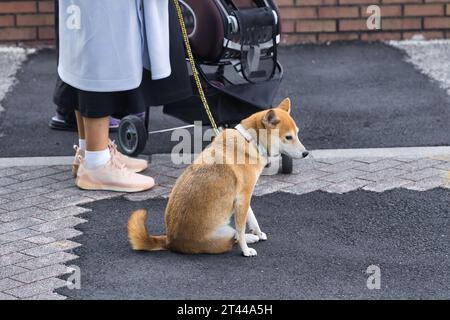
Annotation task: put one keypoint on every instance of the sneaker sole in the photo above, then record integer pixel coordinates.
(98, 187)
(75, 170)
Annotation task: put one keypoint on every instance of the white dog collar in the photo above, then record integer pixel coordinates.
(247, 136)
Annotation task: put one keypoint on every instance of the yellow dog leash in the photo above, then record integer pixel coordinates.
(193, 67)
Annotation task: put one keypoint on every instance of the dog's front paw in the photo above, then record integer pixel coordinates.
(262, 236)
(249, 252)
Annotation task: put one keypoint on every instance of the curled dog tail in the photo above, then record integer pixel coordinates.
(139, 237)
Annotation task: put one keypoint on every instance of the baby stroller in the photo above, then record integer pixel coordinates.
(234, 44)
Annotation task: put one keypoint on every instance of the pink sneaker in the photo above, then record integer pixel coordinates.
(113, 176)
(134, 164)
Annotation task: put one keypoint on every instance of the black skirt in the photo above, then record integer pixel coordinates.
(150, 92)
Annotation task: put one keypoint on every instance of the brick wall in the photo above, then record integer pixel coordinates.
(30, 22)
(331, 20)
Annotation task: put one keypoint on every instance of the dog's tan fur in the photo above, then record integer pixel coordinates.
(207, 194)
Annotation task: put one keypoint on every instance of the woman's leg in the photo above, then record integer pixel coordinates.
(96, 133)
(80, 125)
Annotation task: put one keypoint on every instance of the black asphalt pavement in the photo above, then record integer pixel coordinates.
(345, 95)
(319, 246)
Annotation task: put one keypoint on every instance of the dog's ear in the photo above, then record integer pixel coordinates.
(270, 119)
(285, 105)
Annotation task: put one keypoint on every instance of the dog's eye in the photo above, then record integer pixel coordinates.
(289, 137)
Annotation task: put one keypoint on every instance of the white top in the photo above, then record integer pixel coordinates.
(104, 44)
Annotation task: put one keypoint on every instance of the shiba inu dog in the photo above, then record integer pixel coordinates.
(213, 188)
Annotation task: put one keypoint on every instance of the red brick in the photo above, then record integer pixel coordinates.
(424, 10)
(386, 11)
(46, 33)
(293, 39)
(448, 9)
(316, 2)
(368, 2)
(16, 34)
(18, 7)
(437, 23)
(35, 20)
(402, 1)
(434, 1)
(288, 26)
(325, 37)
(425, 34)
(298, 13)
(352, 25)
(306, 26)
(338, 12)
(381, 36)
(7, 21)
(401, 24)
(46, 6)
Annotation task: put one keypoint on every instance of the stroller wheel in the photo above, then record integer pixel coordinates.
(287, 164)
(132, 135)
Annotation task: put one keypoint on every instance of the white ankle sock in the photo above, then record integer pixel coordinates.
(82, 144)
(94, 159)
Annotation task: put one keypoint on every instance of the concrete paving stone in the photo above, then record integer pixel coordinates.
(101, 195)
(17, 235)
(6, 172)
(443, 166)
(10, 270)
(15, 247)
(306, 187)
(46, 249)
(62, 175)
(22, 213)
(174, 173)
(419, 164)
(27, 193)
(63, 168)
(47, 296)
(35, 288)
(62, 184)
(32, 168)
(424, 173)
(61, 234)
(7, 283)
(19, 224)
(55, 270)
(341, 166)
(367, 159)
(65, 202)
(155, 192)
(68, 192)
(4, 191)
(48, 260)
(427, 184)
(270, 188)
(24, 203)
(4, 296)
(379, 165)
(382, 174)
(12, 258)
(341, 176)
(60, 213)
(33, 174)
(164, 181)
(29, 184)
(346, 186)
(330, 160)
(302, 176)
(67, 222)
(386, 184)
(306, 164)
(5, 181)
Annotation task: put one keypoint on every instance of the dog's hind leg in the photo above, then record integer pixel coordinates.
(220, 241)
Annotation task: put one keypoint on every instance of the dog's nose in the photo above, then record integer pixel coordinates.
(305, 154)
